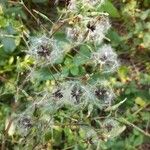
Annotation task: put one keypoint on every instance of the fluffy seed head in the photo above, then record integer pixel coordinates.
(45, 50)
(74, 35)
(88, 29)
(106, 57)
(97, 29)
(102, 93)
(71, 93)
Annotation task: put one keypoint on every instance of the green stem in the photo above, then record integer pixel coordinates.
(125, 121)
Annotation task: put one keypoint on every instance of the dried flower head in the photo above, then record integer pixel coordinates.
(70, 93)
(45, 50)
(74, 35)
(58, 94)
(97, 28)
(76, 93)
(102, 93)
(109, 124)
(25, 122)
(106, 57)
(89, 29)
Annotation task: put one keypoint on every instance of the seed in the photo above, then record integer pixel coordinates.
(91, 27)
(100, 93)
(58, 94)
(103, 58)
(44, 51)
(76, 93)
(26, 122)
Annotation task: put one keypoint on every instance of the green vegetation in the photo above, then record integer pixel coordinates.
(25, 81)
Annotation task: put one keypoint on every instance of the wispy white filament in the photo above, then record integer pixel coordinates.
(45, 50)
(106, 57)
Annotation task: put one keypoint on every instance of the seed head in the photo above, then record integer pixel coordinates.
(88, 29)
(102, 93)
(76, 93)
(58, 94)
(97, 29)
(74, 35)
(106, 57)
(25, 122)
(45, 50)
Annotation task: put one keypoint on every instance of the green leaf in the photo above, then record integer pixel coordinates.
(82, 70)
(83, 56)
(74, 70)
(44, 74)
(123, 73)
(57, 134)
(79, 60)
(146, 40)
(9, 44)
(140, 101)
(3, 21)
(60, 36)
(65, 72)
(85, 51)
(114, 107)
(10, 29)
(117, 131)
(110, 9)
(138, 140)
(114, 37)
(48, 136)
(68, 61)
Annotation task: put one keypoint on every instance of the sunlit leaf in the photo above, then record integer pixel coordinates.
(9, 44)
(140, 101)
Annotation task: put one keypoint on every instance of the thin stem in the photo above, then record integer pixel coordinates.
(125, 121)
(34, 17)
(6, 133)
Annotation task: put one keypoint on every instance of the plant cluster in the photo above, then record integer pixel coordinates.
(83, 28)
(58, 79)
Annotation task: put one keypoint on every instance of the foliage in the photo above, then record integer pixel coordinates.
(27, 80)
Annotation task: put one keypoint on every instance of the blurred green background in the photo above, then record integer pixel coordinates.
(130, 37)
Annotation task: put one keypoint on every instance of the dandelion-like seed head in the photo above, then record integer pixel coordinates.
(69, 92)
(90, 30)
(58, 94)
(103, 93)
(45, 50)
(110, 124)
(76, 93)
(23, 125)
(74, 35)
(98, 28)
(25, 122)
(106, 57)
